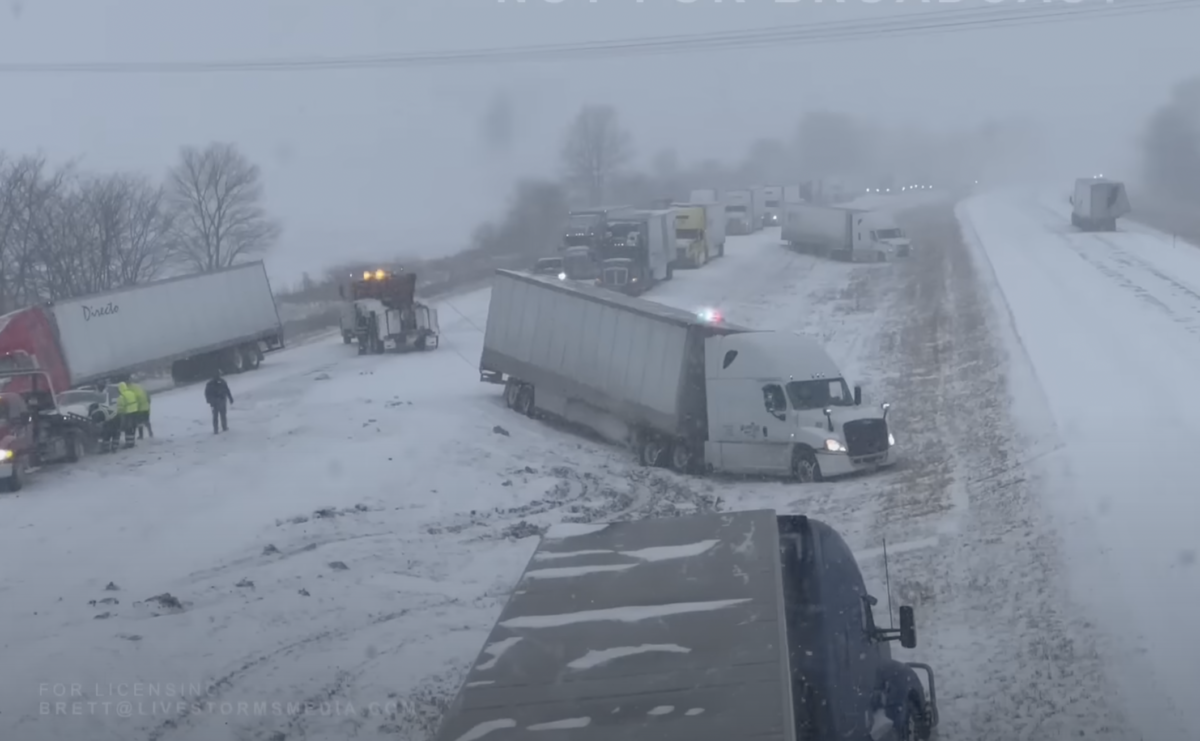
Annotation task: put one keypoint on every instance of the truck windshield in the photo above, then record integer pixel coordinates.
(889, 233)
(818, 394)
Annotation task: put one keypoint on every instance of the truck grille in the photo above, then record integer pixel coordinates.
(866, 437)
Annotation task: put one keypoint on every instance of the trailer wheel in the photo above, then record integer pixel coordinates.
(524, 403)
(250, 357)
(805, 467)
(918, 726)
(681, 456)
(510, 393)
(651, 451)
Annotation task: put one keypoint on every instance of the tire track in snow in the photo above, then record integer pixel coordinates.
(991, 596)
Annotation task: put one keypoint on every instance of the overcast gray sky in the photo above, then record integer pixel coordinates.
(384, 162)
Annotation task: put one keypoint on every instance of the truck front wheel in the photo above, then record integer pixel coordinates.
(16, 481)
(805, 467)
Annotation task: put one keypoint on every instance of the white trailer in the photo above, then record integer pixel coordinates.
(772, 205)
(854, 235)
(717, 224)
(683, 390)
(739, 212)
(704, 195)
(1097, 203)
(758, 196)
(225, 319)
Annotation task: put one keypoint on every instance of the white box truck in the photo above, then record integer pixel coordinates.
(759, 201)
(684, 390)
(1097, 203)
(854, 235)
(225, 319)
(739, 212)
(772, 205)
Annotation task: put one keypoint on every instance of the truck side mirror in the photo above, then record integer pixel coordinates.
(857, 395)
(908, 627)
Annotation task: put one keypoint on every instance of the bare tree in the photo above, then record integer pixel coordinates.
(217, 196)
(596, 148)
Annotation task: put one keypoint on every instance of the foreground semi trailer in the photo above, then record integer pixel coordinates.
(743, 625)
(199, 323)
(686, 391)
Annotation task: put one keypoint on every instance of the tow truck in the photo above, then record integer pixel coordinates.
(385, 316)
(34, 431)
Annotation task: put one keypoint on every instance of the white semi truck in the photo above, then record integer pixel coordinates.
(850, 234)
(198, 323)
(638, 251)
(739, 212)
(683, 390)
(1097, 203)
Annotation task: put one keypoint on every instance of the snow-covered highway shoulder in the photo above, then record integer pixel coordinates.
(1110, 325)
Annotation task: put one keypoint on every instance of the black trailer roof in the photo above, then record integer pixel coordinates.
(629, 303)
(655, 630)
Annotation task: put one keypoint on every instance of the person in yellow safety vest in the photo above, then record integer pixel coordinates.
(127, 409)
(142, 415)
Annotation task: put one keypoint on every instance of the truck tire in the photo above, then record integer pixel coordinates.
(16, 481)
(683, 459)
(806, 469)
(524, 403)
(510, 393)
(250, 357)
(651, 451)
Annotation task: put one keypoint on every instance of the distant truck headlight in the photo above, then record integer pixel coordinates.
(834, 446)
(6, 455)
(891, 439)
(562, 276)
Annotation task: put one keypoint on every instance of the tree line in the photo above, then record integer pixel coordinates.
(67, 232)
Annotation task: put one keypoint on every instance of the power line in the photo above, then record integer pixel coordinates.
(915, 24)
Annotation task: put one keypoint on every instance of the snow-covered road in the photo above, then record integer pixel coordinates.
(351, 541)
(1110, 325)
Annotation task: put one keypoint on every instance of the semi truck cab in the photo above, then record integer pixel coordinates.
(893, 240)
(691, 247)
(387, 316)
(779, 405)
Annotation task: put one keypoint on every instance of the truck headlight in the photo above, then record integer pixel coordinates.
(6, 455)
(562, 276)
(891, 439)
(834, 446)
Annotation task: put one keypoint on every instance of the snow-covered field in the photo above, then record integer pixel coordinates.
(346, 547)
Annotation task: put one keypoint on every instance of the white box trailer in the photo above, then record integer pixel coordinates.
(224, 319)
(772, 205)
(684, 390)
(1097, 203)
(854, 235)
(739, 212)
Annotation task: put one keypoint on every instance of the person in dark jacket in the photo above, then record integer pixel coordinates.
(219, 397)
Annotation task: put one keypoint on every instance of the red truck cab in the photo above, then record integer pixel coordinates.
(30, 335)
